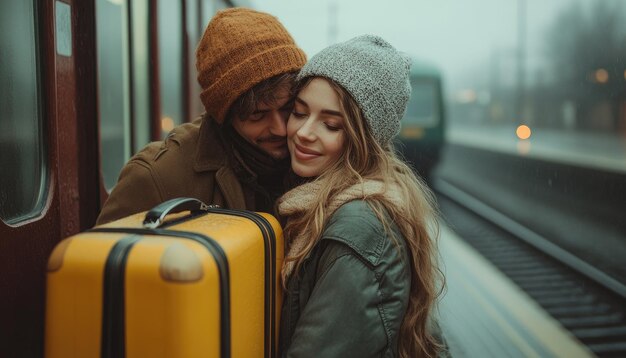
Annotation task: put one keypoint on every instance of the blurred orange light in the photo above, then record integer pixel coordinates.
(412, 132)
(625, 74)
(602, 76)
(523, 132)
(467, 96)
(167, 124)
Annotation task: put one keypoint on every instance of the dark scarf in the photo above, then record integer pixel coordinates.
(256, 169)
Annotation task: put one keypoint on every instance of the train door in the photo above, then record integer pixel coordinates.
(80, 91)
(47, 153)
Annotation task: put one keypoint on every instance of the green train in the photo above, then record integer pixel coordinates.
(422, 134)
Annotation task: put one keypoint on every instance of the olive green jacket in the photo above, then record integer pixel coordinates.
(190, 162)
(351, 293)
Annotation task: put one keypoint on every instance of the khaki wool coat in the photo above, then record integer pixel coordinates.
(191, 162)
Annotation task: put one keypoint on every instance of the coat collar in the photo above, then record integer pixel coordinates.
(210, 151)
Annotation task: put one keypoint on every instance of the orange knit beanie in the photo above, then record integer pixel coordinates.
(239, 49)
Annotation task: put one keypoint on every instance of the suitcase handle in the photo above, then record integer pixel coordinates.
(154, 218)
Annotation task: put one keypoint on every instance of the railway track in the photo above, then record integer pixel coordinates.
(588, 303)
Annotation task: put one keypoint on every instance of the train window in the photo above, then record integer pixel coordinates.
(423, 107)
(140, 50)
(113, 79)
(194, 31)
(22, 148)
(208, 9)
(170, 14)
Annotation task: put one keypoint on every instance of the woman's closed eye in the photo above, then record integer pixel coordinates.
(332, 127)
(299, 114)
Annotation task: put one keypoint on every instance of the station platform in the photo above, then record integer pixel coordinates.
(603, 151)
(484, 314)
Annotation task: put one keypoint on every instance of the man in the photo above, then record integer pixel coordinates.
(235, 155)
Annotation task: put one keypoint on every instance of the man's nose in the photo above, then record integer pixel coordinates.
(278, 124)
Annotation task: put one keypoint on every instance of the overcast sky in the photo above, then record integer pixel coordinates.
(456, 35)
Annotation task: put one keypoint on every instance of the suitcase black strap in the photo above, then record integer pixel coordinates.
(269, 239)
(222, 265)
(113, 343)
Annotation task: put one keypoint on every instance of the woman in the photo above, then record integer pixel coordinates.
(360, 272)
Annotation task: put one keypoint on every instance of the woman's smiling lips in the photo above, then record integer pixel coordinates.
(303, 153)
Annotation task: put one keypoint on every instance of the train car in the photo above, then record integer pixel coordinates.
(83, 84)
(421, 137)
(86, 83)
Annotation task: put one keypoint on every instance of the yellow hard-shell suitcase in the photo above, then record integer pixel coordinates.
(203, 284)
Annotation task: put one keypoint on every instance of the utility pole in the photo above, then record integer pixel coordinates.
(521, 61)
(333, 22)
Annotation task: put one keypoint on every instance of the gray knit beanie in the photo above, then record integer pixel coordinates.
(374, 73)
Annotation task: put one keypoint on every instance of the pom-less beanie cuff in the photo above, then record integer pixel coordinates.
(374, 73)
(239, 49)
(220, 95)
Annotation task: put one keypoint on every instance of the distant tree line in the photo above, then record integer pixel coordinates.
(581, 86)
(586, 86)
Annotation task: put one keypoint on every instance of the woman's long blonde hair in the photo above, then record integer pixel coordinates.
(365, 159)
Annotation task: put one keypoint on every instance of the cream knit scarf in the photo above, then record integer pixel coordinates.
(302, 198)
